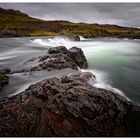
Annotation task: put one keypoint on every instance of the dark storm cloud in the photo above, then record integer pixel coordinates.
(125, 14)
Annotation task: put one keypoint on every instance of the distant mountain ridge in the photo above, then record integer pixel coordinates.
(11, 11)
(14, 23)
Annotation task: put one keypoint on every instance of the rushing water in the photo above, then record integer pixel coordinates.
(115, 62)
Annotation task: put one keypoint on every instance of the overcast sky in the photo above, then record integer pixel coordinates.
(125, 14)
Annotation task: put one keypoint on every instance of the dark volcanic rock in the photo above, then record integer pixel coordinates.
(60, 57)
(68, 107)
(5, 71)
(4, 79)
(60, 49)
(76, 38)
(72, 36)
(55, 61)
(78, 56)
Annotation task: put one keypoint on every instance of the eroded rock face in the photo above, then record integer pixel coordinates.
(60, 57)
(60, 49)
(55, 61)
(67, 107)
(78, 56)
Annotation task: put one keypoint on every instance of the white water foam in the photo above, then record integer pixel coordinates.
(126, 39)
(52, 42)
(82, 38)
(101, 82)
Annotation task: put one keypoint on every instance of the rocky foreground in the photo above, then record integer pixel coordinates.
(67, 106)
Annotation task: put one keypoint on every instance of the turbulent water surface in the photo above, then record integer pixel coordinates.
(115, 62)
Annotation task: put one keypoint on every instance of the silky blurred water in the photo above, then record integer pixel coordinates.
(115, 62)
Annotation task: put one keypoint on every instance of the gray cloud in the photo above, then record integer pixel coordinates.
(125, 14)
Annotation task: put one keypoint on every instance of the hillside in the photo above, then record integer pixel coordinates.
(14, 23)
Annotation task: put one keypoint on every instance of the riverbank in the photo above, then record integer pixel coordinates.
(14, 23)
(68, 105)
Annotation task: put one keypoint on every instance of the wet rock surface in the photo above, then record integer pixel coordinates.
(4, 79)
(68, 107)
(5, 71)
(60, 57)
(83, 76)
(72, 36)
(78, 56)
(55, 61)
(60, 49)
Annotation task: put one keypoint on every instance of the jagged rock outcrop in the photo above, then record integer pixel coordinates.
(4, 79)
(60, 49)
(78, 56)
(67, 107)
(55, 61)
(60, 57)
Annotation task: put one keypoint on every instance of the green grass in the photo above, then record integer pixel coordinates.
(12, 20)
(42, 33)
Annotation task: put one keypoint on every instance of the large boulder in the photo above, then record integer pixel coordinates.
(55, 61)
(60, 57)
(68, 107)
(78, 56)
(59, 49)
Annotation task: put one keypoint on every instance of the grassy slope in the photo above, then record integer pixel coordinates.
(15, 23)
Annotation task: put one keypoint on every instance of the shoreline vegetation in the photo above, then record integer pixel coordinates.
(14, 23)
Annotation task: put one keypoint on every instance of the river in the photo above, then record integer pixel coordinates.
(115, 62)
